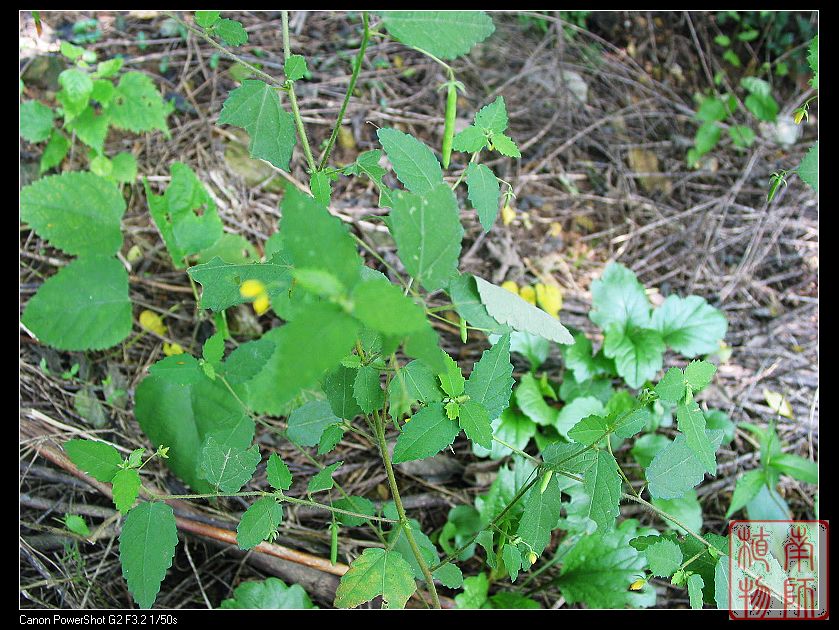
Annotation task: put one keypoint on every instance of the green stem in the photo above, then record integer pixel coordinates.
(232, 56)
(403, 517)
(295, 109)
(350, 88)
(518, 451)
(492, 523)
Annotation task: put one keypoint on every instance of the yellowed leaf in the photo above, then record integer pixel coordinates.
(778, 403)
(149, 320)
(549, 298)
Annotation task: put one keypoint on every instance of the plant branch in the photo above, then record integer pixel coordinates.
(400, 509)
(295, 109)
(350, 89)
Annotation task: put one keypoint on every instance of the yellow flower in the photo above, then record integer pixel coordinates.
(251, 289)
(511, 286)
(149, 320)
(528, 294)
(637, 585)
(261, 304)
(549, 297)
(507, 214)
(532, 557)
(171, 349)
(255, 289)
(778, 403)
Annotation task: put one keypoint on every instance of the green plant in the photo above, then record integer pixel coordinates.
(356, 352)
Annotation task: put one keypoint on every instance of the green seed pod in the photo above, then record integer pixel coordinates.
(464, 335)
(333, 550)
(545, 480)
(448, 130)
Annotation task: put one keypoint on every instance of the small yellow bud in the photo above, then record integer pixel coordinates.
(261, 304)
(637, 585)
(549, 298)
(398, 62)
(251, 289)
(528, 294)
(532, 557)
(149, 320)
(507, 214)
(511, 286)
(171, 349)
(799, 116)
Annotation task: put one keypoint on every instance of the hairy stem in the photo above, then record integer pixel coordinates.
(350, 88)
(403, 517)
(295, 109)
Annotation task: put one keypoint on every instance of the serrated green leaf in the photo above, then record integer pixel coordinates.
(813, 61)
(367, 389)
(91, 128)
(492, 118)
(78, 213)
(638, 353)
(381, 306)
(491, 380)
(451, 380)
(295, 67)
(124, 168)
(359, 505)
(146, 547)
(306, 424)
(603, 485)
(247, 360)
(137, 105)
(664, 558)
(367, 163)
(698, 374)
(376, 572)
(126, 486)
(258, 522)
(279, 476)
(475, 422)
(414, 163)
(808, 170)
(85, 306)
(466, 300)
(323, 480)
(55, 151)
(180, 407)
(414, 382)
(590, 430)
(445, 34)
(255, 107)
(330, 438)
(570, 415)
(579, 359)
(508, 308)
(690, 325)
(695, 586)
(598, 570)
(692, 424)
(425, 346)
(568, 457)
(671, 387)
(338, 386)
(314, 239)
(226, 467)
(306, 348)
(470, 140)
(427, 433)
(631, 422)
(77, 84)
(428, 232)
(231, 32)
(676, 469)
(541, 516)
(484, 192)
(185, 214)
(505, 145)
(35, 121)
(270, 593)
(529, 399)
(205, 19)
(321, 186)
(99, 460)
(221, 281)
